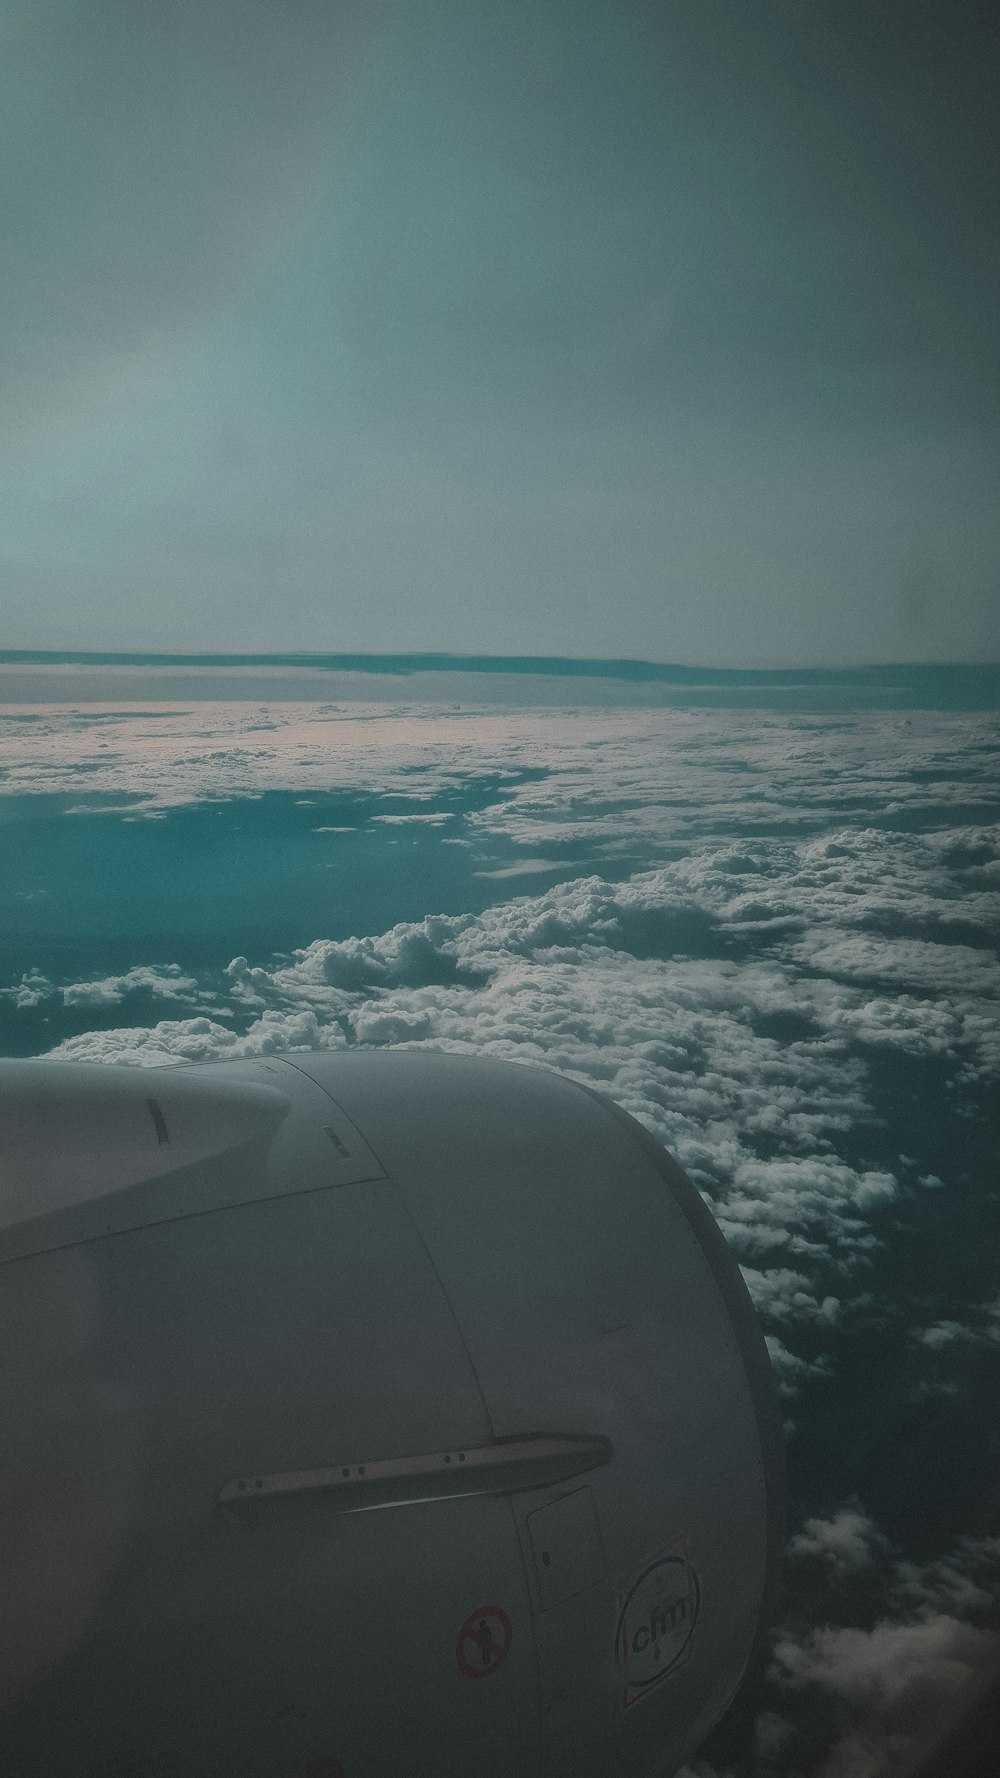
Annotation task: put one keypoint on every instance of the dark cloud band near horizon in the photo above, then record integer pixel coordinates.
(667, 330)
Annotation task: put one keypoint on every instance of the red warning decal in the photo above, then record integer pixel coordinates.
(483, 1642)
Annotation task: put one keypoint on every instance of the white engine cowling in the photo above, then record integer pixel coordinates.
(368, 1415)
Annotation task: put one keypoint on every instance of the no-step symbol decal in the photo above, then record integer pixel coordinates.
(483, 1642)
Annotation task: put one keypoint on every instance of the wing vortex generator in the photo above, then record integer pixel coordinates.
(368, 1415)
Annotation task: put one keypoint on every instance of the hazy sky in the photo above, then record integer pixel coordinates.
(513, 325)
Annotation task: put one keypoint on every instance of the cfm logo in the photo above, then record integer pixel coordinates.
(658, 1610)
(663, 1621)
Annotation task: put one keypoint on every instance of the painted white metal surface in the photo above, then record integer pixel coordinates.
(567, 1547)
(279, 1334)
(586, 1303)
(87, 1150)
(363, 1260)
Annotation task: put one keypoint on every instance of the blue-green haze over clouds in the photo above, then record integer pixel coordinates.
(768, 931)
(391, 392)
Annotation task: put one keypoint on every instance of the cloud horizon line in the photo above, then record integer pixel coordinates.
(404, 663)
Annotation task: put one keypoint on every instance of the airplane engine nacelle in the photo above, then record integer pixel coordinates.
(367, 1415)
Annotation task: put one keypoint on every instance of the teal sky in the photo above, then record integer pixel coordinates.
(599, 329)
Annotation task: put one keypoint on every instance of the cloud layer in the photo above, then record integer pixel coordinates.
(774, 943)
